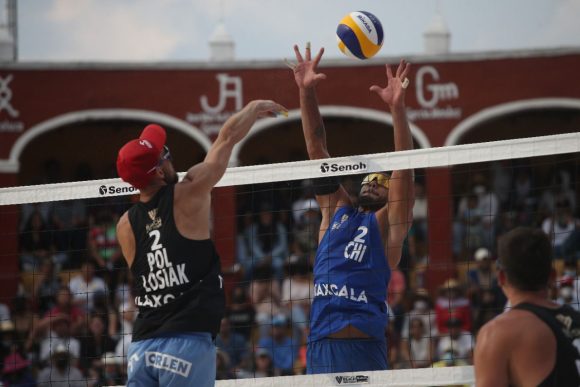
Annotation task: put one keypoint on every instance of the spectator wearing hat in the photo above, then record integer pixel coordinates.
(482, 275)
(452, 303)
(283, 349)
(483, 289)
(261, 366)
(566, 292)
(457, 340)
(305, 202)
(307, 219)
(481, 278)
(60, 336)
(16, 372)
(61, 371)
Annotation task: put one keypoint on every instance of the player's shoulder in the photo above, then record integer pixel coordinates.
(123, 222)
(503, 326)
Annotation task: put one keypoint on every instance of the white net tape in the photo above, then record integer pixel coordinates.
(419, 158)
(448, 376)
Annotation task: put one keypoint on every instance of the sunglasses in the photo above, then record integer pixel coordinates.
(166, 155)
(381, 179)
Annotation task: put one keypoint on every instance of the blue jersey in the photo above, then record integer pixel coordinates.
(351, 276)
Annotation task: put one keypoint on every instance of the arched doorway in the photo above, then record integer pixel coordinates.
(85, 144)
(516, 189)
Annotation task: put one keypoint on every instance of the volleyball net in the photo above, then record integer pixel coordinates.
(72, 292)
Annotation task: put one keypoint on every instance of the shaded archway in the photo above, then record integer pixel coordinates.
(526, 118)
(92, 138)
(517, 187)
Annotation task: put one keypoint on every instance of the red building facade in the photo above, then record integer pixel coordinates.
(85, 112)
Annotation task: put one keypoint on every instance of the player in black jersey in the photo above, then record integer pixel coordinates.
(536, 342)
(165, 239)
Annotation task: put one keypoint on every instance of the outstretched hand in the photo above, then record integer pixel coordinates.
(394, 93)
(305, 69)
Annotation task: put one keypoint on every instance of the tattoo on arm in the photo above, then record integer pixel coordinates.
(319, 131)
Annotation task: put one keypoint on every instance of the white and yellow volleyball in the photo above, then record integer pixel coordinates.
(360, 35)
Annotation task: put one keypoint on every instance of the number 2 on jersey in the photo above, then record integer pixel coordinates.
(356, 248)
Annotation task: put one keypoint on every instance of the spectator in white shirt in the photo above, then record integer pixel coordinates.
(61, 372)
(84, 286)
(58, 336)
(457, 340)
(560, 227)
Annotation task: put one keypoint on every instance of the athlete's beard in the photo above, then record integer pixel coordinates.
(369, 203)
(171, 179)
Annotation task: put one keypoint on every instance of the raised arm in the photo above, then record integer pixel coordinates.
(204, 176)
(401, 189)
(306, 77)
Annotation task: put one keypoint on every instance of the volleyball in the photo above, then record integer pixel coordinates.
(360, 35)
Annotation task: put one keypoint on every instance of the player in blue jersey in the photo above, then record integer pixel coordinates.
(357, 246)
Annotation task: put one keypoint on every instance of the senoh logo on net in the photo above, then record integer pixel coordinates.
(352, 379)
(325, 167)
(113, 190)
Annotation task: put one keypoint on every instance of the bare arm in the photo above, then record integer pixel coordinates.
(307, 78)
(401, 189)
(203, 177)
(126, 239)
(491, 357)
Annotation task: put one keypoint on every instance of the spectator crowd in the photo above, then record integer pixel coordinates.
(72, 318)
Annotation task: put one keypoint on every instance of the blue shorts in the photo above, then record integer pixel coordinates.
(346, 355)
(176, 360)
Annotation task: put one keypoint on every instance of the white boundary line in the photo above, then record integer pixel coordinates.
(418, 377)
(419, 158)
(459, 375)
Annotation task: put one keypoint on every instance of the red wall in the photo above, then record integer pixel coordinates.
(40, 93)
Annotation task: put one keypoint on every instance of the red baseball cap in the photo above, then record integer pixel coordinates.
(138, 158)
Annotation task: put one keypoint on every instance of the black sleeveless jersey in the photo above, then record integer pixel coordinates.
(179, 287)
(565, 323)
